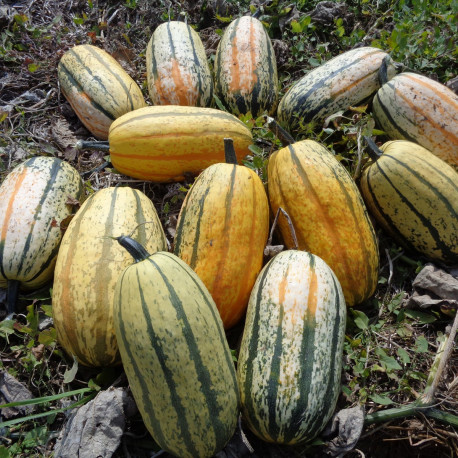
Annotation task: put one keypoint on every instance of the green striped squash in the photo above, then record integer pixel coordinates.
(169, 143)
(328, 214)
(175, 355)
(344, 81)
(246, 69)
(97, 87)
(413, 195)
(35, 198)
(221, 233)
(290, 361)
(177, 67)
(88, 266)
(418, 109)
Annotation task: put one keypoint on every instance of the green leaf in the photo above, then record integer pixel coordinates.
(47, 309)
(403, 355)
(4, 452)
(48, 337)
(422, 317)
(69, 374)
(421, 345)
(32, 68)
(389, 362)
(296, 27)
(361, 319)
(381, 399)
(219, 103)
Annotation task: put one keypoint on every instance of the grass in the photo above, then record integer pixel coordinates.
(389, 350)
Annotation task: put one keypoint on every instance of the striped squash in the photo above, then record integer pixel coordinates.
(177, 67)
(35, 197)
(167, 143)
(175, 355)
(246, 69)
(346, 80)
(89, 264)
(414, 197)
(328, 214)
(221, 233)
(97, 87)
(290, 360)
(418, 109)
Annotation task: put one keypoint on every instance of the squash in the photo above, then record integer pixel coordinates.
(418, 109)
(177, 67)
(222, 230)
(97, 87)
(169, 143)
(89, 264)
(347, 80)
(413, 195)
(175, 354)
(328, 214)
(290, 361)
(36, 197)
(246, 69)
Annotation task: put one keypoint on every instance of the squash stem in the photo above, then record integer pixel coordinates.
(283, 135)
(372, 149)
(12, 296)
(229, 151)
(135, 249)
(100, 146)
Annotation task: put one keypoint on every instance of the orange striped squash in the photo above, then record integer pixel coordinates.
(177, 67)
(346, 80)
(328, 214)
(97, 87)
(418, 109)
(165, 143)
(221, 233)
(246, 69)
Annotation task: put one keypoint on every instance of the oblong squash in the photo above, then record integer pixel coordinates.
(167, 143)
(346, 80)
(221, 233)
(414, 197)
(35, 198)
(88, 266)
(418, 109)
(97, 87)
(290, 361)
(176, 356)
(246, 69)
(328, 214)
(177, 67)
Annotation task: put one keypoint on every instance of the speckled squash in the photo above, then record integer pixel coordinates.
(418, 109)
(177, 67)
(328, 214)
(346, 80)
(175, 355)
(290, 360)
(221, 233)
(414, 197)
(246, 69)
(97, 87)
(88, 266)
(168, 143)
(35, 198)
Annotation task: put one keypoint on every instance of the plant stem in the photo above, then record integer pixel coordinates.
(285, 137)
(12, 294)
(229, 151)
(100, 146)
(373, 150)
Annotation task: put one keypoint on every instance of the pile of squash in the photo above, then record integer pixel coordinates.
(120, 295)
